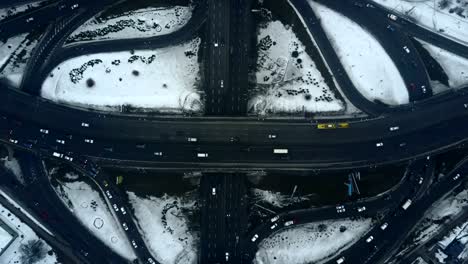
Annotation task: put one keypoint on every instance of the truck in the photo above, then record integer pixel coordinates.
(406, 204)
(280, 151)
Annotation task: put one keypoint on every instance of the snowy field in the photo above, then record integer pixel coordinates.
(446, 17)
(14, 54)
(311, 243)
(92, 211)
(165, 80)
(287, 78)
(368, 65)
(165, 227)
(455, 67)
(7, 12)
(275, 199)
(458, 234)
(13, 166)
(141, 23)
(27, 247)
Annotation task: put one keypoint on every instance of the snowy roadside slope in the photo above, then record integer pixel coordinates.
(165, 80)
(448, 18)
(311, 243)
(455, 67)
(165, 228)
(7, 12)
(141, 23)
(287, 78)
(92, 211)
(368, 65)
(13, 253)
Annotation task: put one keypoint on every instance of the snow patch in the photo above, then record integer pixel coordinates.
(275, 199)
(13, 166)
(368, 65)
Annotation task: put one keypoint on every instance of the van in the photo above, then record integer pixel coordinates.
(202, 155)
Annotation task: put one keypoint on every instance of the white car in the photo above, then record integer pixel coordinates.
(123, 210)
(89, 141)
(384, 226)
(406, 49)
(60, 141)
(151, 261)
(254, 238)
(157, 153)
(68, 158)
(274, 226)
(379, 144)
(420, 181)
(116, 208)
(340, 209)
(134, 244)
(192, 139)
(125, 227)
(272, 136)
(216, 44)
(109, 194)
(423, 88)
(45, 131)
(394, 128)
(456, 177)
(57, 155)
(369, 239)
(213, 191)
(202, 155)
(361, 209)
(221, 83)
(392, 17)
(84, 124)
(14, 141)
(227, 256)
(340, 260)
(274, 219)
(74, 6)
(29, 19)
(288, 223)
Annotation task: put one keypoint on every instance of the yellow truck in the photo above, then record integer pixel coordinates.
(332, 125)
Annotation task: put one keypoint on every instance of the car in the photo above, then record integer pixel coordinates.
(109, 194)
(216, 44)
(390, 28)
(370, 6)
(151, 261)
(221, 83)
(274, 226)
(392, 17)
(83, 124)
(109, 149)
(68, 158)
(288, 223)
(105, 183)
(456, 177)
(420, 181)
(140, 146)
(361, 209)
(14, 141)
(326, 126)
(394, 128)
(60, 141)
(29, 19)
(116, 208)
(125, 227)
(423, 88)
(158, 153)
(234, 139)
(340, 209)
(74, 6)
(465, 105)
(358, 4)
(213, 191)
(274, 219)
(254, 238)
(192, 139)
(123, 211)
(406, 49)
(340, 260)
(379, 144)
(134, 244)
(227, 256)
(369, 239)
(44, 131)
(89, 141)
(202, 155)
(384, 226)
(271, 136)
(57, 155)
(28, 145)
(402, 144)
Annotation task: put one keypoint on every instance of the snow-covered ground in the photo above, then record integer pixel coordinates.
(14, 167)
(165, 227)
(275, 199)
(14, 54)
(446, 17)
(5, 238)
(92, 211)
(287, 78)
(21, 248)
(311, 243)
(141, 23)
(7, 12)
(455, 67)
(457, 235)
(368, 65)
(165, 80)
